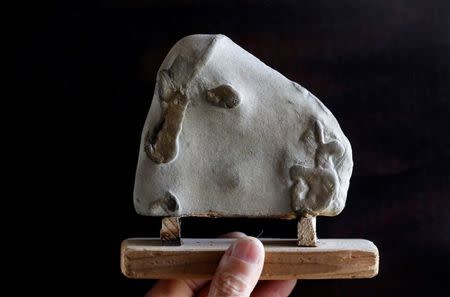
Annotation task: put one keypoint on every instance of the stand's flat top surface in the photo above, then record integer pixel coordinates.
(147, 258)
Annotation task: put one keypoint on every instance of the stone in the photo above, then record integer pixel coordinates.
(228, 136)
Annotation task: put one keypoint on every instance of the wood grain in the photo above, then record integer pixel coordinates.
(198, 258)
(170, 232)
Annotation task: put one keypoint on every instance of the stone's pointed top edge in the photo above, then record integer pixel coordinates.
(219, 35)
(202, 38)
(203, 57)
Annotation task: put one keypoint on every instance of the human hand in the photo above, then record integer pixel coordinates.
(236, 276)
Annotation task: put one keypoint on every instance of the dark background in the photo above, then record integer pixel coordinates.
(382, 68)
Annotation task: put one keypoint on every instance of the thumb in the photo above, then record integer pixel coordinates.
(239, 269)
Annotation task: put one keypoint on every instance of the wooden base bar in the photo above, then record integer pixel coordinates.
(198, 258)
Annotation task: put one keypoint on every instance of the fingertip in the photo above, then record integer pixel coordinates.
(234, 234)
(248, 249)
(239, 269)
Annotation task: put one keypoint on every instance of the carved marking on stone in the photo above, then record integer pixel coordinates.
(162, 143)
(165, 148)
(315, 188)
(167, 205)
(306, 232)
(170, 232)
(223, 96)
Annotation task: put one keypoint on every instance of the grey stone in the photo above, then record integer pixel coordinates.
(228, 136)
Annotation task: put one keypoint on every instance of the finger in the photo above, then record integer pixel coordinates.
(278, 288)
(239, 269)
(204, 291)
(176, 288)
(235, 234)
(273, 288)
(185, 287)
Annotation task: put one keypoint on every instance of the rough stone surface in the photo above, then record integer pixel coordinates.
(226, 135)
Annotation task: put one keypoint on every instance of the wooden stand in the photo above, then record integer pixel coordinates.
(170, 233)
(306, 231)
(198, 258)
